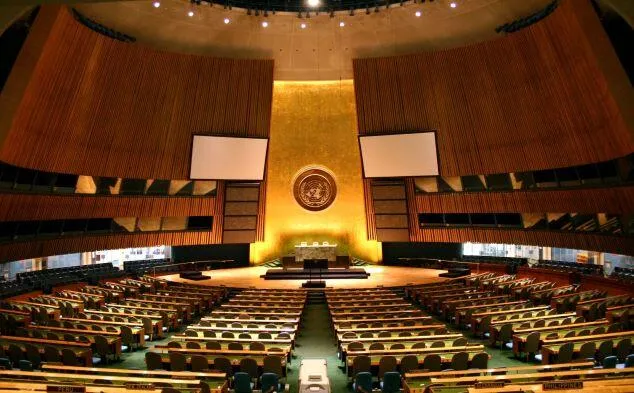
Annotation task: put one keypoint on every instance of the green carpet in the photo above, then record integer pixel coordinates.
(316, 340)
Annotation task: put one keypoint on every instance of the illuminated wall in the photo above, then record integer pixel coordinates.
(314, 124)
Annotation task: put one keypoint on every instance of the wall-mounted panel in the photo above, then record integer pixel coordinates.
(96, 106)
(40, 248)
(533, 99)
(593, 242)
(15, 207)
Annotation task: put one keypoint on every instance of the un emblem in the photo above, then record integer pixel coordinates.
(314, 189)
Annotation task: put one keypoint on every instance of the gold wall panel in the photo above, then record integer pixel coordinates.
(314, 124)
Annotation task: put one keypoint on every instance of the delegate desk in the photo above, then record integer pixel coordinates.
(550, 348)
(82, 350)
(315, 250)
(446, 354)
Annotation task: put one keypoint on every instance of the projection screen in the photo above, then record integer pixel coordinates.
(226, 158)
(399, 155)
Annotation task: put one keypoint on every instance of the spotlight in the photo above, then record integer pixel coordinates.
(227, 20)
(313, 3)
(417, 13)
(156, 4)
(265, 24)
(453, 5)
(190, 13)
(303, 25)
(342, 24)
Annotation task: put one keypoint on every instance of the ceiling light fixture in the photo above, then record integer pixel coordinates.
(418, 14)
(313, 3)
(265, 24)
(303, 25)
(227, 20)
(453, 5)
(190, 13)
(156, 4)
(342, 24)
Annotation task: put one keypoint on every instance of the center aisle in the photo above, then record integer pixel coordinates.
(317, 341)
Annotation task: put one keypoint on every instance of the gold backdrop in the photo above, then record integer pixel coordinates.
(314, 124)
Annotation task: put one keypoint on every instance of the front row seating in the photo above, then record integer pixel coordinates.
(391, 382)
(269, 383)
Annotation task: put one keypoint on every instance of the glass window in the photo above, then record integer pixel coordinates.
(27, 229)
(132, 187)
(158, 187)
(174, 223)
(500, 181)
(86, 185)
(74, 226)
(567, 177)
(509, 219)
(559, 221)
(608, 172)
(44, 181)
(204, 188)
(51, 227)
(589, 174)
(149, 224)
(457, 219)
(25, 179)
(124, 224)
(482, 219)
(534, 221)
(100, 225)
(426, 184)
(195, 223)
(181, 187)
(431, 219)
(584, 222)
(522, 180)
(8, 176)
(108, 185)
(65, 183)
(449, 184)
(545, 178)
(473, 183)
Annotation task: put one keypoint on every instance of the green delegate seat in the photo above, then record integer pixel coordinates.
(391, 382)
(362, 383)
(242, 383)
(270, 383)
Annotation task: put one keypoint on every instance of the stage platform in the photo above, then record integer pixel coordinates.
(389, 276)
(315, 274)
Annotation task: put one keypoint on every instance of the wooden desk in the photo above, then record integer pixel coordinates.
(278, 341)
(138, 330)
(498, 371)
(391, 328)
(248, 321)
(114, 339)
(520, 335)
(550, 348)
(82, 350)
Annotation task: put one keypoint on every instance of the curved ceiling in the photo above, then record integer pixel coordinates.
(324, 49)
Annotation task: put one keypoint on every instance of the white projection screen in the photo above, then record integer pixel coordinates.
(226, 158)
(399, 155)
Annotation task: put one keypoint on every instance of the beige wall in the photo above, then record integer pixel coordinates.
(314, 123)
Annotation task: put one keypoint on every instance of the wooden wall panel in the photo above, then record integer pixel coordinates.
(96, 106)
(14, 207)
(531, 100)
(41, 248)
(581, 241)
(591, 200)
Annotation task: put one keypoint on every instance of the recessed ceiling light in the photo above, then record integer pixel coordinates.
(227, 20)
(190, 13)
(265, 24)
(156, 4)
(341, 24)
(313, 3)
(453, 5)
(303, 25)
(417, 13)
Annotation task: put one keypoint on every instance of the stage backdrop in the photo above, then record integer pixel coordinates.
(314, 187)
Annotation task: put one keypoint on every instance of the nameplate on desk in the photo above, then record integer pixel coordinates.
(66, 388)
(139, 386)
(488, 385)
(562, 385)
